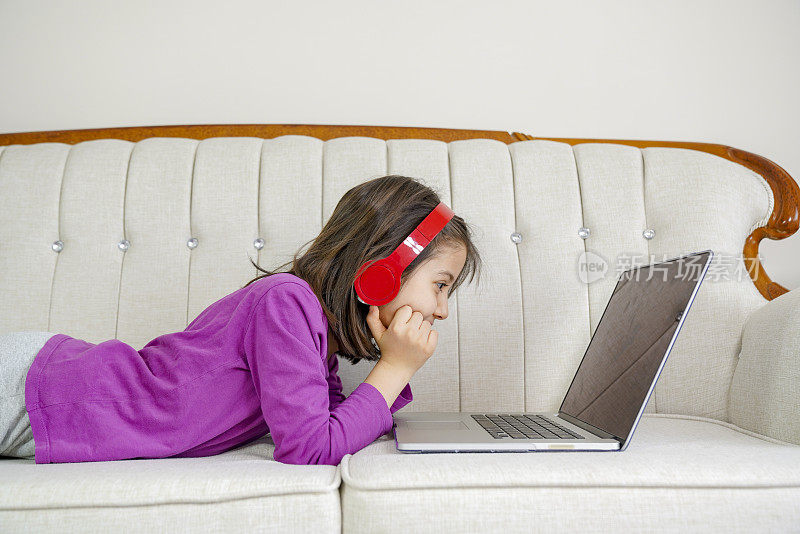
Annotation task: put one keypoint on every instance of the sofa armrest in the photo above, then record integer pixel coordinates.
(765, 390)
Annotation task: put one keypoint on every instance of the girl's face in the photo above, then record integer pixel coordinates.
(426, 291)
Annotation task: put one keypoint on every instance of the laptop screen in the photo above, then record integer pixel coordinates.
(630, 343)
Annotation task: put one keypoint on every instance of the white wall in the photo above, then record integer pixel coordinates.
(723, 72)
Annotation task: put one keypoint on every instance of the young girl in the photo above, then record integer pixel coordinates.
(259, 360)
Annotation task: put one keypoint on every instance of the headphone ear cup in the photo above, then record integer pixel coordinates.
(378, 284)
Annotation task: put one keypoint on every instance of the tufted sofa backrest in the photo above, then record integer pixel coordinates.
(127, 214)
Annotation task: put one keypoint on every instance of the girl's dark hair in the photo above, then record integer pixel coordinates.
(369, 222)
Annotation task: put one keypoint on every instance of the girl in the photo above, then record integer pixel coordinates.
(259, 360)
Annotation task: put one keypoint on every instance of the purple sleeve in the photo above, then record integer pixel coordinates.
(402, 399)
(335, 395)
(282, 346)
(335, 388)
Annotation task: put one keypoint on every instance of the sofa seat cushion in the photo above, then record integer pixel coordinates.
(677, 471)
(239, 490)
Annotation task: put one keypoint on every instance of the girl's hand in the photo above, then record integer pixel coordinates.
(408, 342)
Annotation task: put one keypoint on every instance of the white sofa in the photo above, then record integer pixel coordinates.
(718, 447)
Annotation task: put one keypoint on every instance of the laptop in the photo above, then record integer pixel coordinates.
(610, 389)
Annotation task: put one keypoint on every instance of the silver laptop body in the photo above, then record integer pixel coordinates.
(610, 389)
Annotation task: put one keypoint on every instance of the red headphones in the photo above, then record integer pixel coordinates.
(378, 282)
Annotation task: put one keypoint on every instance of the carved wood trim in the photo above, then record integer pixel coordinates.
(782, 223)
(265, 131)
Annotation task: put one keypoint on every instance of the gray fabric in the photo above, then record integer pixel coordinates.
(17, 351)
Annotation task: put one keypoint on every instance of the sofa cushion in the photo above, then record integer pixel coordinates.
(239, 490)
(678, 471)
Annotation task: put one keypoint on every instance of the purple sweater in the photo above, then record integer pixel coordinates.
(253, 362)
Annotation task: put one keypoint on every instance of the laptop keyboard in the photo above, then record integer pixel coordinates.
(521, 426)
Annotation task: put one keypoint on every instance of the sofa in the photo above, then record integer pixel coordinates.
(130, 233)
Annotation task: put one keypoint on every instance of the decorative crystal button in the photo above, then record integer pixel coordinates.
(192, 243)
(124, 245)
(258, 243)
(516, 237)
(58, 246)
(649, 234)
(583, 232)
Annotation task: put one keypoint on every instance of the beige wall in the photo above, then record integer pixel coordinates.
(724, 71)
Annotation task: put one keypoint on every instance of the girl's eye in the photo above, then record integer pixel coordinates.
(442, 284)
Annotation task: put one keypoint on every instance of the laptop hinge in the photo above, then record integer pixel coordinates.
(586, 426)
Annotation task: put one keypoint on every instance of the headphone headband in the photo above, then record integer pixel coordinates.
(378, 282)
